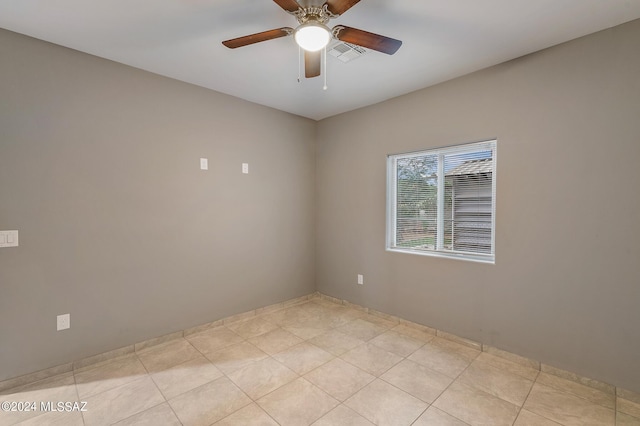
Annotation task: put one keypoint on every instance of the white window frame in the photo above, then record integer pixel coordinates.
(439, 251)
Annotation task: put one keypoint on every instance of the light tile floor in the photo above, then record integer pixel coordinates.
(317, 363)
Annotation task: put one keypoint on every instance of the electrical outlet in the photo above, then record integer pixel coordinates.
(245, 168)
(360, 279)
(63, 321)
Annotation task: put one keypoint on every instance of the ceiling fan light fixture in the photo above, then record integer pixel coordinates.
(312, 36)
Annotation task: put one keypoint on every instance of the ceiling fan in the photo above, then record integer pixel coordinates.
(312, 35)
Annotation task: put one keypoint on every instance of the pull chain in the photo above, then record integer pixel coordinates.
(299, 63)
(324, 67)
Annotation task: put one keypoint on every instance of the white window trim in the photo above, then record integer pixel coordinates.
(391, 200)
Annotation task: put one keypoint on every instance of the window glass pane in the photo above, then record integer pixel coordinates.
(416, 209)
(468, 202)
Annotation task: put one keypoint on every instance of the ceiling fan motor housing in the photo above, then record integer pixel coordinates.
(313, 13)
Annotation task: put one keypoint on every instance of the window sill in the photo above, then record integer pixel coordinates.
(446, 255)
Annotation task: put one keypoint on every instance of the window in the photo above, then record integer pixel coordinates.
(442, 202)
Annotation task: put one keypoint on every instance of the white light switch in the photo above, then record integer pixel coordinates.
(245, 168)
(204, 164)
(8, 238)
(360, 279)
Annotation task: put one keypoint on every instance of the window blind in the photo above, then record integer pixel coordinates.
(443, 201)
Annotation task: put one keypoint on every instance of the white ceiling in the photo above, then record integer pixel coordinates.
(182, 39)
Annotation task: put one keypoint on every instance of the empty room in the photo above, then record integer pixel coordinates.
(297, 212)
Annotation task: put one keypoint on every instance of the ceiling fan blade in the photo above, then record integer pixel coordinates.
(338, 7)
(366, 39)
(258, 37)
(312, 64)
(288, 5)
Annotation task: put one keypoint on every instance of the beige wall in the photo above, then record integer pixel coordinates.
(565, 288)
(119, 227)
(99, 171)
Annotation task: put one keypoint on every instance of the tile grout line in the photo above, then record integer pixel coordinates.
(158, 388)
(125, 384)
(278, 327)
(204, 355)
(452, 382)
(421, 413)
(75, 385)
(615, 408)
(384, 372)
(527, 397)
(559, 389)
(482, 346)
(211, 381)
(301, 376)
(72, 364)
(333, 357)
(406, 358)
(379, 377)
(487, 363)
(253, 401)
(316, 298)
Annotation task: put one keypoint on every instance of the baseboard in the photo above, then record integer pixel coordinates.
(94, 360)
